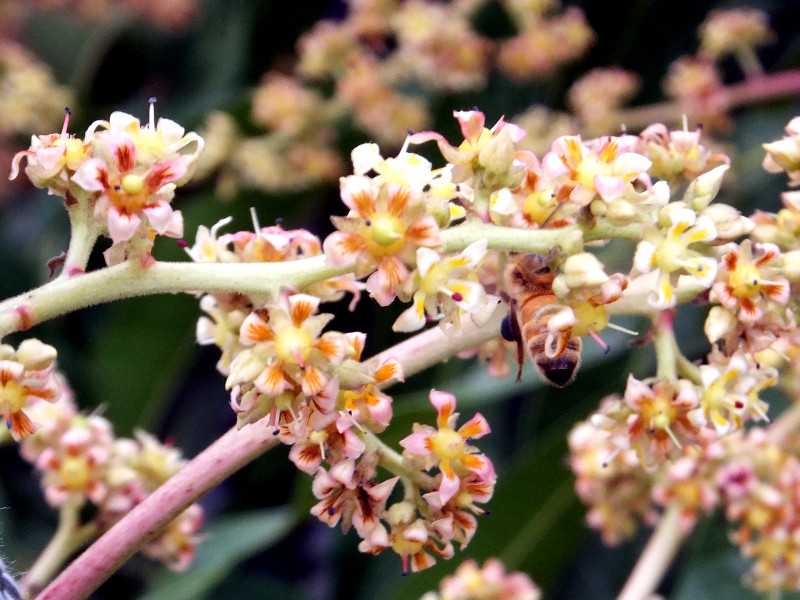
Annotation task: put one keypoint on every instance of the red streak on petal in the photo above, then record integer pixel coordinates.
(124, 158)
(398, 201)
(21, 426)
(364, 203)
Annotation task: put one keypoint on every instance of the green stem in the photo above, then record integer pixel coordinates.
(688, 370)
(392, 461)
(71, 292)
(129, 279)
(68, 538)
(656, 558)
(84, 231)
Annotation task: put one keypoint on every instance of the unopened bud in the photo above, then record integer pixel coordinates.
(36, 355)
(705, 188)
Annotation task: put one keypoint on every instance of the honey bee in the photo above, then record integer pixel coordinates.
(529, 283)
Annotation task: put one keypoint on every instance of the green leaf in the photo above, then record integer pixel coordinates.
(134, 373)
(229, 541)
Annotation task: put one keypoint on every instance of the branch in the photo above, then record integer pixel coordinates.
(656, 558)
(222, 458)
(129, 279)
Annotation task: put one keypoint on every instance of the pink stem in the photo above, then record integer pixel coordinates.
(222, 458)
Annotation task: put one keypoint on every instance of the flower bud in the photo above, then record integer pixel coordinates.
(583, 270)
(791, 265)
(730, 223)
(705, 188)
(621, 212)
(35, 355)
(401, 513)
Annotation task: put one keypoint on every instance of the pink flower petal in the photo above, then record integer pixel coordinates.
(417, 443)
(444, 402)
(92, 175)
(609, 188)
(449, 487)
(159, 215)
(475, 428)
(122, 225)
(472, 123)
(342, 248)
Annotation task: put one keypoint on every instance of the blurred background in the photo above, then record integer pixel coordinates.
(282, 91)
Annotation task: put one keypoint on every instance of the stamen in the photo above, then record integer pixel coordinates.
(66, 121)
(254, 218)
(761, 414)
(622, 329)
(611, 458)
(606, 348)
(356, 423)
(299, 358)
(220, 224)
(152, 102)
(551, 215)
(672, 437)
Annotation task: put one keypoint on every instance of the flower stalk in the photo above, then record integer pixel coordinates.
(656, 558)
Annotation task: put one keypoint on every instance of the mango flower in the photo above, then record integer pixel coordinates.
(26, 375)
(604, 167)
(482, 148)
(445, 288)
(669, 254)
(130, 177)
(52, 159)
(286, 349)
(447, 448)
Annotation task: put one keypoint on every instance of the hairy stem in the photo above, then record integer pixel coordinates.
(656, 558)
(68, 538)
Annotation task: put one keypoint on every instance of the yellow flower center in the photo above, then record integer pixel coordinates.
(668, 255)
(293, 345)
(590, 317)
(74, 153)
(405, 547)
(74, 473)
(386, 234)
(658, 412)
(746, 281)
(434, 280)
(128, 195)
(132, 184)
(448, 444)
(12, 396)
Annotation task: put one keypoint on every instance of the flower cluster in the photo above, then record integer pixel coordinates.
(488, 582)
(360, 67)
(82, 463)
(120, 179)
